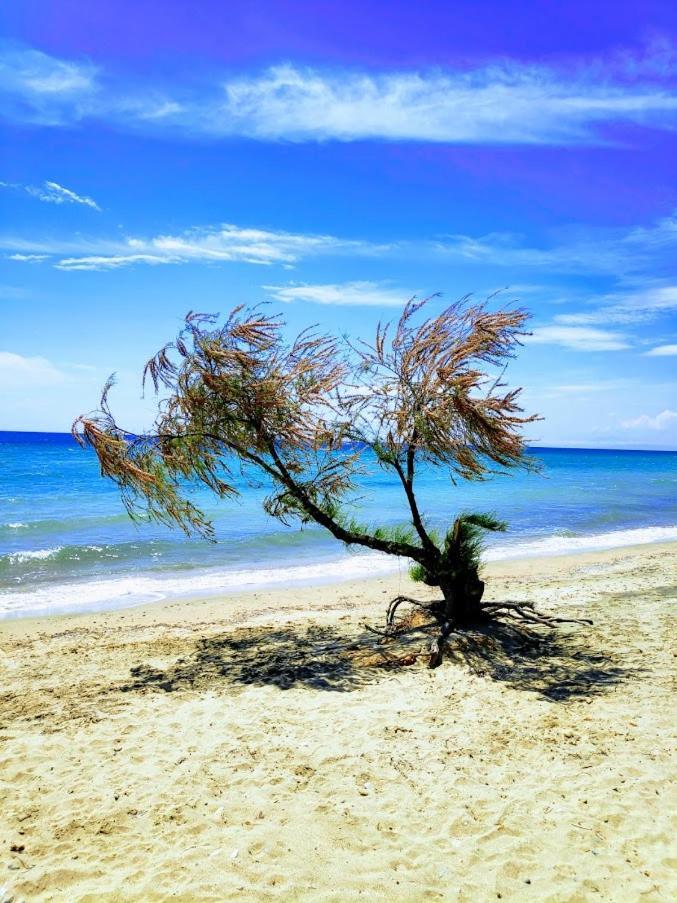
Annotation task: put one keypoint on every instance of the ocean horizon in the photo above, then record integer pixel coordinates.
(68, 545)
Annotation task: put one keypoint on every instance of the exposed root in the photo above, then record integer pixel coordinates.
(436, 652)
(397, 601)
(389, 634)
(524, 612)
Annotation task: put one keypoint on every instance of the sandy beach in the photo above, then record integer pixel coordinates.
(264, 746)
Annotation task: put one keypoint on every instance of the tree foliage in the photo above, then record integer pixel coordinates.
(237, 399)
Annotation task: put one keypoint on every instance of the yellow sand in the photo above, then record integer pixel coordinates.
(221, 749)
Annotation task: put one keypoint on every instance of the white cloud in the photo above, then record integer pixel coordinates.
(218, 244)
(112, 262)
(371, 294)
(507, 103)
(508, 250)
(60, 247)
(600, 385)
(662, 351)
(659, 58)
(578, 338)
(32, 71)
(659, 422)
(586, 252)
(583, 250)
(662, 234)
(18, 372)
(43, 89)
(504, 103)
(53, 193)
(28, 258)
(628, 307)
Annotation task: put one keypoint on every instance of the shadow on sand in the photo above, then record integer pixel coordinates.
(557, 664)
(285, 657)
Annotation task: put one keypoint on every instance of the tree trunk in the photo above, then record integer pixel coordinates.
(461, 607)
(462, 598)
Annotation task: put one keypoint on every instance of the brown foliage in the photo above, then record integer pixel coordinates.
(236, 396)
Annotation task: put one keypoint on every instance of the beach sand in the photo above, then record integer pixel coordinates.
(233, 748)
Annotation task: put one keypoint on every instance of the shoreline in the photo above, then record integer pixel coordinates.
(397, 573)
(234, 749)
(294, 599)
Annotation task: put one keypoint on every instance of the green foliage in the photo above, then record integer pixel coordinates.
(462, 548)
(419, 574)
(399, 533)
(395, 534)
(464, 543)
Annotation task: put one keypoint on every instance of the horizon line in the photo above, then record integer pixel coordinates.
(538, 447)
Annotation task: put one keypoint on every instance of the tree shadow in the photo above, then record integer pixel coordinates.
(557, 664)
(315, 657)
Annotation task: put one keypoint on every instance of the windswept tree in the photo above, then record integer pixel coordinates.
(307, 415)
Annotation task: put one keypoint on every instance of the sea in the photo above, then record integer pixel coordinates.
(68, 545)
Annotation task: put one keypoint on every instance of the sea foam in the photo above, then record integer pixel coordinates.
(124, 592)
(131, 590)
(568, 545)
(33, 555)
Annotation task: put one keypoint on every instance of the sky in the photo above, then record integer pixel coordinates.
(334, 160)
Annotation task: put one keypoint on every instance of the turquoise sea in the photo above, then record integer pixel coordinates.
(66, 543)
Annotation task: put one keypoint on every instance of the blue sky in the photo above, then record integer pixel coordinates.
(335, 159)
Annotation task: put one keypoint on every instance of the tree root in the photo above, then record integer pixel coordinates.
(436, 651)
(389, 634)
(524, 612)
(527, 612)
(397, 601)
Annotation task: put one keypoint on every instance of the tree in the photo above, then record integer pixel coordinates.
(305, 414)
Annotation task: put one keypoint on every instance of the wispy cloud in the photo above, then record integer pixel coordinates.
(52, 193)
(40, 88)
(662, 351)
(218, 244)
(600, 385)
(507, 103)
(584, 250)
(659, 58)
(627, 254)
(28, 258)
(645, 421)
(578, 338)
(112, 262)
(631, 306)
(504, 103)
(371, 294)
(17, 371)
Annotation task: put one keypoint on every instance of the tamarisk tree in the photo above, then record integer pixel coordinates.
(235, 396)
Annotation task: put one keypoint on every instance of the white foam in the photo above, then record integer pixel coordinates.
(124, 592)
(17, 525)
(33, 554)
(568, 545)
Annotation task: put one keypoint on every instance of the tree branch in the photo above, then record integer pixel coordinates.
(391, 547)
(416, 519)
